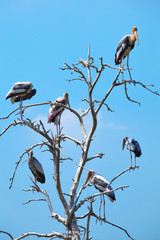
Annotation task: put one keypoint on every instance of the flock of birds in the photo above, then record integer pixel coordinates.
(23, 91)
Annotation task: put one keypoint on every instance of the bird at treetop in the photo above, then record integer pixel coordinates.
(36, 168)
(102, 185)
(56, 110)
(19, 92)
(125, 46)
(133, 146)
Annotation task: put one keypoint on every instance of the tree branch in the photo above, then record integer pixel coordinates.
(112, 224)
(33, 200)
(88, 219)
(107, 94)
(47, 235)
(56, 158)
(99, 155)
(38, 189)
(7, 234)
(95, 195)
(126, 170)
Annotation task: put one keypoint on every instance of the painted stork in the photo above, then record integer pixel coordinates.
(133, 146)
(124, 47)
(56, 110)
(36, 168)
(19, 92)
(102, 185)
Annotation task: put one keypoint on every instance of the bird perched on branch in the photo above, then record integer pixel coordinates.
(125, 46)
(133, 146)
(19, 92)
(102, 185)
(56, 110)
(36, 168)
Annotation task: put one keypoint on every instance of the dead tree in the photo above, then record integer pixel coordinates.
(82, 71)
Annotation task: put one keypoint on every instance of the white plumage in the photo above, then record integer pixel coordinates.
(19, 92)
(102, 185)
(56, 110)
(125, 46)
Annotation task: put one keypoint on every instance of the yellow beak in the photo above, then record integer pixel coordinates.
(135, 34)
(88, 176)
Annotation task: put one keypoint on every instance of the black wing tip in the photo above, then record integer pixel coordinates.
(41, 179)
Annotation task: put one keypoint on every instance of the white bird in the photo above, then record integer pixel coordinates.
(36, 168)
(19, 92)
(125, 46)
(56, 110)
(102, 185)
(133, 146)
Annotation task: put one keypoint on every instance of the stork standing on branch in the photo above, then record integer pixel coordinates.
(36, 168)
(133, 146)
(19, 92)
(124, 47)
(56, 110)
(102, 185)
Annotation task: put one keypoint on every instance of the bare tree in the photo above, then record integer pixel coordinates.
(71, 220)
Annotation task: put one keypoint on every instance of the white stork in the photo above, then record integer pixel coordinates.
(56, 110)
(133, 146)
(19, 92)
(36, 168)
(102, 185)
(125, 46)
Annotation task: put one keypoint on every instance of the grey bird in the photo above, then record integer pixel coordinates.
(36, 168)
(133, 146)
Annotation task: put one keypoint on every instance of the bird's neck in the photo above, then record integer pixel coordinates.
(91, 180)
(133, 38)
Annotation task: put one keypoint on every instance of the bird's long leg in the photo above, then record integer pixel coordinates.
(20, 108)
(100, 205)
(59, 122)
(128, 67)
(35, 179)
(131, 158)
(135, 161)
(121, 66)
(104, 207)
(57, 128)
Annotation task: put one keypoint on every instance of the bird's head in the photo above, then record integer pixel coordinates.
(124, 142)
(134, 32)
(30, 156)
(66, 96)
(90, 175)
(31, 153)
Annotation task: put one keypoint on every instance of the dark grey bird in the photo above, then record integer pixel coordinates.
(36, 168)
(56, 110)
(19, 92)
(125, 46)
(102, 185)
(133, 146)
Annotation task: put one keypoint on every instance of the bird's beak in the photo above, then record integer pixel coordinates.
(123, 144)
(135, 33)
(88, 177)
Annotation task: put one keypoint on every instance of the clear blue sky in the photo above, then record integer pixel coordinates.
(36, 38)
